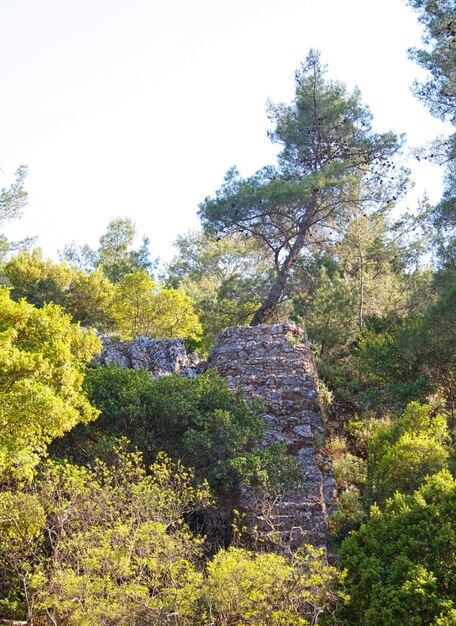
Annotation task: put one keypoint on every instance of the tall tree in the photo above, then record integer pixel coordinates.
(42, 362)
(438, 93)
(115, 252)
(331, 163)
(226, 277)
(141, 308)
(366, 279)
(12, 201)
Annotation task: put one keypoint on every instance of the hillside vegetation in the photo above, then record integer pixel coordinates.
(118, 491)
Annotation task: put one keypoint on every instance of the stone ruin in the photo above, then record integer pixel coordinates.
(158, 356)
(274, 363)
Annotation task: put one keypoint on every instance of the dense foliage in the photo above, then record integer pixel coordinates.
(42, 362)
(141, 308)
(103, 545)
(331, 164)
(196, 420)
(117, 490)
(438, 93)
(401, 562)
(133, 306)
(110, 545)
(227, 278)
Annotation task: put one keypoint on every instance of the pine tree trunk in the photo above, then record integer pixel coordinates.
(273, 298)
(361, 288)
(276, 292)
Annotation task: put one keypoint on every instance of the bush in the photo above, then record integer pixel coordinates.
(102, 545)
(42, 363)
(404, 451)
(261, 589)
(196, 420)
(401, 563)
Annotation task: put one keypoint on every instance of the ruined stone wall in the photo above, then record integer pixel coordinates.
(274, 362)
(158, 356)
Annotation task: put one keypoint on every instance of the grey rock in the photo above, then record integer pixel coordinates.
(161, 357)
(303, 431)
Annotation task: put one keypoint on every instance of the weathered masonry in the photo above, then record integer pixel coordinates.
(274, 362)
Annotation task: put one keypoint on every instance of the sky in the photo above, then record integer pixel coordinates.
(137, 108)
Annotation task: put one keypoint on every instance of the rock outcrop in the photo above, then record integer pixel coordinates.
(159, 356)
(274, 362)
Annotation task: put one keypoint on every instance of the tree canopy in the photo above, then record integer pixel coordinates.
(226, 278)
(12, 201)
(438, 93)
(331, 164)
(87, 297)
(42, 361)
(115, 253)
(143, 308)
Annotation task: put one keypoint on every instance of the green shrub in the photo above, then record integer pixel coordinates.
(404, 451)
(401, 564)
(196, 420)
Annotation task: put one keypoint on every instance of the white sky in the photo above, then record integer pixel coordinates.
(136, 108)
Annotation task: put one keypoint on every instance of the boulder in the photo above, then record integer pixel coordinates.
(159, 356)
